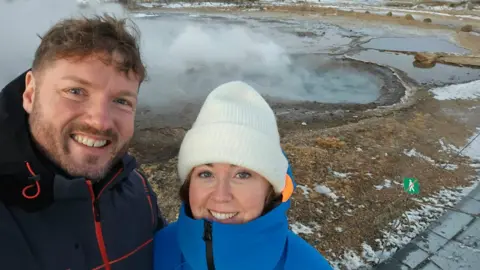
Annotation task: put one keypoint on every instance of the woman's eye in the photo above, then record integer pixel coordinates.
(243, 175)
(205, 174)
(75, 91)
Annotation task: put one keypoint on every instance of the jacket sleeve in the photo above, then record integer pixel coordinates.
(160, 221)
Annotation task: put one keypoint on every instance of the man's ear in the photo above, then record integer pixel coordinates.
(29, 93)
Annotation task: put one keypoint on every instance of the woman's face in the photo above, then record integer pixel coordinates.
(226, 193)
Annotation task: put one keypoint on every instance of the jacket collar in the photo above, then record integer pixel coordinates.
(260, 242)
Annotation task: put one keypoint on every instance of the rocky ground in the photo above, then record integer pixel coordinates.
(350, 165)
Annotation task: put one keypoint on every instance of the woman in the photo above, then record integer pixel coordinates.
(235, 192)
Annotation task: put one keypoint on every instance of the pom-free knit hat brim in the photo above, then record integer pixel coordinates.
(235, 144)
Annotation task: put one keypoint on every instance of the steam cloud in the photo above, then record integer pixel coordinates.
(186, 57)
(21, 21)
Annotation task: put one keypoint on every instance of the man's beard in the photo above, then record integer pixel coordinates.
(55, 145)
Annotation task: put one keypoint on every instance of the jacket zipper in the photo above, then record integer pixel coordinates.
(207, 237)
(98, 227)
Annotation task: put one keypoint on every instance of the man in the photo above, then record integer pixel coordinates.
(70, 196)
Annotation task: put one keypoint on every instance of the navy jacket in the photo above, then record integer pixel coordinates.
(51, 221)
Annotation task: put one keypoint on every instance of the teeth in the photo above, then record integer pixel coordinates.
(222, 216)
(88, 141)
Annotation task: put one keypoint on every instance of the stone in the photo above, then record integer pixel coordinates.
(430, 242)
(471, 236)
(469, 206)
(467, 28)
(415, 257)
(475, 194)
(455, 255)
(451, 224)
(425, 60)
(430, 266)
(425, 57)
(409, 17)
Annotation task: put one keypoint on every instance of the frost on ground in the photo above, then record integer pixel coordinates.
(322, 189)
(469, 90)
(340, 175)
(298, 228)
(306, 190)
(466, 91)
(448, 147)
(186, 4)
(402, 231)
(473, 150)
(386, 184)
(414, 153)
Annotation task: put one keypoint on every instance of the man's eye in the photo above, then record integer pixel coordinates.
(122, 101)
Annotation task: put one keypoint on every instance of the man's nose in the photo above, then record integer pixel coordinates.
(99, 116)
(223, 191)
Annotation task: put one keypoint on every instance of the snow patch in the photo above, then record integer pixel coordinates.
(413, 153)
(340, 175)
(143, 15)
(449, 167)
(386, 184)
(448, 147)
(350, 260)
(149, 5)
(298, 228)
(187, 5)
(306, 190)
(322, 189)
(473, 150)
(469, 90)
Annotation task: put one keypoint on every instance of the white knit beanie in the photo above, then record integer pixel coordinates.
(237, 126)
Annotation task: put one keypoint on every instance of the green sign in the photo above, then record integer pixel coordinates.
(411, 185)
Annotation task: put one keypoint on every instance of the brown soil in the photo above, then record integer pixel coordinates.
(469, 41)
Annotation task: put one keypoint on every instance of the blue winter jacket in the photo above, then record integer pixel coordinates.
(265, 243)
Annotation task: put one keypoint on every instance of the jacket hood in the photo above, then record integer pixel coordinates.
(21, 164)
(260, 242)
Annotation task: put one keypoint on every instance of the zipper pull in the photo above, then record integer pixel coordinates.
(207, 232)
(96, 208)
(207, 237)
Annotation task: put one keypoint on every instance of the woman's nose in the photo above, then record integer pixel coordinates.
(222, 192)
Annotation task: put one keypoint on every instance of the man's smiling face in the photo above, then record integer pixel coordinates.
(82, 113)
